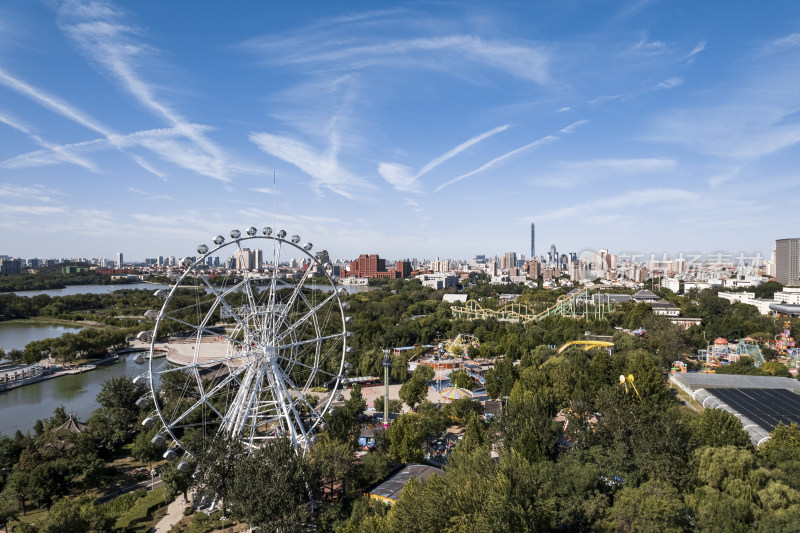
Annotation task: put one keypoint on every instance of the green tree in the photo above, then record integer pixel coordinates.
(9, 508)
(176, 482)
(143, 448)
(424, 372)
(271, 488)
(652, 507)
(121, 393)
(717, 427)
(110, 427)
(343, 423)
(18, 486)
(461, 379)
(413, 391)
(374, 467)
(776, 369)
(395, 405)
(48, 481)
(744, 366)
(70, 515)
(782, 450)
(398, 371)
(217, 466)
(405, 439)
(331, 460)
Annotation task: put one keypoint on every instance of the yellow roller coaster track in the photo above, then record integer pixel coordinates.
(587, 345)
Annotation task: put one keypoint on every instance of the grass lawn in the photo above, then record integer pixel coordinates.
(145, 513)
(32, 516)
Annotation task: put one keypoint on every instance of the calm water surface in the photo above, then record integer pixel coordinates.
(92, 289)
(14, 336)
(20, 407)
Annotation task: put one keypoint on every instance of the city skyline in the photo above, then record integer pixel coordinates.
(416, 130)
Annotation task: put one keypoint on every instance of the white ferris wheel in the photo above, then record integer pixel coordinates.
(246, 345)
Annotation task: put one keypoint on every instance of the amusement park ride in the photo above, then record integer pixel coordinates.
(721, 352)
(785, 344)
(244, 356)
(575, 305)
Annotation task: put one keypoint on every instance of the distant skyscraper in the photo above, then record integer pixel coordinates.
(787, 267)
(119, 259)
(533, 242)
(552, 256)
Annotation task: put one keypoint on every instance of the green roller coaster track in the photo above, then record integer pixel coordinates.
(576, 305)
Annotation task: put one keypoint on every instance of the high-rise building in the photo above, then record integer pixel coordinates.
(372, 266)
(440, 265)
(787, 268)
(533, 241)
(245, 259)
(508, 261)
(9, 265)
(119, 260)
(552, 255)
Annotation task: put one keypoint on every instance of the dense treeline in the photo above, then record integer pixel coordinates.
(572, 450)
(78, 306)
(628, 460)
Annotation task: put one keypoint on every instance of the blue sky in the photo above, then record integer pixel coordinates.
(407, 129)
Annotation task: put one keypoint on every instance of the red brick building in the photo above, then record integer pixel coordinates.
(372, 266)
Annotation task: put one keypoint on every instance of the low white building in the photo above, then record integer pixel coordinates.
(438, 280)
(789, 295)
(743, 281)
(749, 298)
(665, 308)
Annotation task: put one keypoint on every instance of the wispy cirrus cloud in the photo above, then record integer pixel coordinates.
(59, 153)
(100, 31)
(56, 153)
(697, 49)
(646, 197)
(747, 121)
(33, 192)
(547, 139)
(670, 83)
(350, 45)
(567, 174)
(149, 195)
(402, 178)
(782, 43)
(18, 209)
(323, 167)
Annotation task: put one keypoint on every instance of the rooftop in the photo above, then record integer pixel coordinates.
(390, 490)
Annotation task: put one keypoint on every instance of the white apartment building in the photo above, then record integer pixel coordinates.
(789, 295)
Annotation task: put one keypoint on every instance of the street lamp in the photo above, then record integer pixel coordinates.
(386, 364)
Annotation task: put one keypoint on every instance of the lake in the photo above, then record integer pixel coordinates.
(15, 335)
(20, 407)
(92, 289)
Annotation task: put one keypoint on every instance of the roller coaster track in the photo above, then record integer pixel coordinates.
(587, 345)
(574, 306)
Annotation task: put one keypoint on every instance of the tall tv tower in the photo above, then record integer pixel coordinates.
(533, 242)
